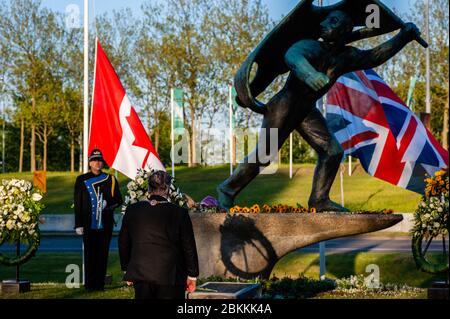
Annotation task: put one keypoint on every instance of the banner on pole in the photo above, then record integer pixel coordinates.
(409, 100)
(178, 111)
(234, 107)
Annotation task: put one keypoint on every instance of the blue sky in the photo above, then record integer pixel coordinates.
(277, 8)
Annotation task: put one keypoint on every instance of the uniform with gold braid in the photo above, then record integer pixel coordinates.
(95, 198)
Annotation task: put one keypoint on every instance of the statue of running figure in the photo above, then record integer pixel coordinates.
(314, 67)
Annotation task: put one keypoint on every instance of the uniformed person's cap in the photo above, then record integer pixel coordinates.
(96, 155)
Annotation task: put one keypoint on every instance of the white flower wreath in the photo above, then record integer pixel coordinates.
(137, 190)
(20, 208)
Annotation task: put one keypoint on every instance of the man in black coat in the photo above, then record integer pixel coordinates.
(157, 245)
(96, 196)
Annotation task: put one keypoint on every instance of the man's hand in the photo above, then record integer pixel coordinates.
(412, 31)
(79, 231)
(129, 283)
(191, 285)
(317, 81)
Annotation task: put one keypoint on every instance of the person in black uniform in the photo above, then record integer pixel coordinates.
(96, 196)
(157, 245)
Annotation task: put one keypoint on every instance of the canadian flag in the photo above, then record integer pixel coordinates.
(115, 126)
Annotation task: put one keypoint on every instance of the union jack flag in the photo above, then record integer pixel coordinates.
(373, 124)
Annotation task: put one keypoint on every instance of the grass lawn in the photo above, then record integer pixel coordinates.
(395, 268)
(362, 192)
(47, 273)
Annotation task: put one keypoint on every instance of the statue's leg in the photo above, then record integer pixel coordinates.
(315, 131)
(277, 117)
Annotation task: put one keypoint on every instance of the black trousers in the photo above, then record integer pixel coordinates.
(96, 250)
(145, 290)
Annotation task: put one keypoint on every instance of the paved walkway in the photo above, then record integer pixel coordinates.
(349, 244)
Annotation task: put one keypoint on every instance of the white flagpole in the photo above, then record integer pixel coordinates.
(290, 156)
(85, 105)
(322, 258)
(230, 104)
(350, 165)
(427, 70)
(341, 174)
(172, 136)
(86, 87)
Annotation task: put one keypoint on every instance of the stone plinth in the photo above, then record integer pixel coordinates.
(249, 245)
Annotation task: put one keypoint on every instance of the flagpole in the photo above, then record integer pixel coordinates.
(86, 87)
(322, 246)
(322, 252)
(341, 174)
(172, 137)
(349, 165)
(85, 105)
(230, 105)
(428, 89)
(290, 156)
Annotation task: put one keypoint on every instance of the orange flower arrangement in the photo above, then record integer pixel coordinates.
(267, 209)
(438, 184)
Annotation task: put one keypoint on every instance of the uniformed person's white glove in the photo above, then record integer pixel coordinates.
(104, 204)
(79, 231)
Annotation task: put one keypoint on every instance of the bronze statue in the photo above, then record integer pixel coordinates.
(311, 44)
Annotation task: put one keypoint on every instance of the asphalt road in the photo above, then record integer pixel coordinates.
(349, 244)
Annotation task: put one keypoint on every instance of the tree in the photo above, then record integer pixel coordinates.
(29, 31)
(198, 45)
(156, 79)
(71, 65)
(235, 30)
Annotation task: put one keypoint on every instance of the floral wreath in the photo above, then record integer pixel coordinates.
(20, 208)
(137, 190)
(431, 219)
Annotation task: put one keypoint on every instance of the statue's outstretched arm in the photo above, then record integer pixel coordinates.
(367, 59)
(299, 65)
